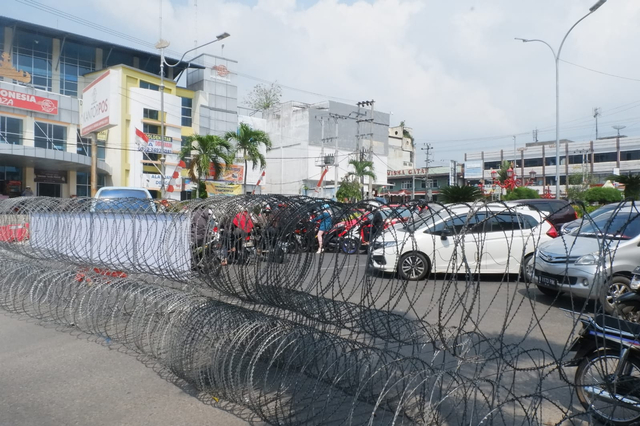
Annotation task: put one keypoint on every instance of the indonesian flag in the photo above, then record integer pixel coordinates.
(141, 135)
(176, 174)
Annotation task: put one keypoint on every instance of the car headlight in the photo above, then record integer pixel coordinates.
(635, 280)
(588, 259)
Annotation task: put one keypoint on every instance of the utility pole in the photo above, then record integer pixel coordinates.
(322, 152)
(596, 114)
(371, 149)
(360, 147)
(94, 164)
(427, 161)
(515, 158)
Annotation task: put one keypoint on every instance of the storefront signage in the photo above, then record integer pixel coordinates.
(219, 188)
(473, 170)
(157, 146)
(407, 172)
(50, 176)
(154, 181)
(26, 101)
(100, 103)
(10, 73)
(233, 173)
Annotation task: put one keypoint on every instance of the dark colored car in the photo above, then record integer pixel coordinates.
(557, 212)
(570, 226)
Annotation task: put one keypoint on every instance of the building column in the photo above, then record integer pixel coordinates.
(544, 176)
(55, 66)
(591, 158)
(99, 54)
(8, 40)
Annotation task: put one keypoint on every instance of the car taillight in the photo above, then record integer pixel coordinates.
(215, 229)
(552, 232)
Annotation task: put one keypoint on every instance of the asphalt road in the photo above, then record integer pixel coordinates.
(56, 376)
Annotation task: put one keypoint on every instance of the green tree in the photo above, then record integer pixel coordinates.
(521, 193)
(248, 141)
(460, 194)
(206, 151)
(362, 169)
(263, 97)
(631, 185)
(349, 189)
(602, 195)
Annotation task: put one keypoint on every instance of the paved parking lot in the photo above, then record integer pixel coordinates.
(53, 375)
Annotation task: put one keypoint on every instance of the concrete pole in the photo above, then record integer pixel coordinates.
(335, 165)
(322, 155)
(94, 164)
(370, 189)
(163, 158)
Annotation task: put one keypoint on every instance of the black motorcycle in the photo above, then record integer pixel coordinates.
(627, 305)
(607, 379)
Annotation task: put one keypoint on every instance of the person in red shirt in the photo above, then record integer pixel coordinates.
(242, 226)
(243, 222)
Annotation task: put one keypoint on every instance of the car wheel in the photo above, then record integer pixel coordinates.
(619, 285)
(548, 291)
(413, 266)
(349, 245)
(527, 270)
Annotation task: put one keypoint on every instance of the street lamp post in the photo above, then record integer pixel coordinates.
(161, 45)
(556, 57)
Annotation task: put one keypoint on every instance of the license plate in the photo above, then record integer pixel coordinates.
(547, 281)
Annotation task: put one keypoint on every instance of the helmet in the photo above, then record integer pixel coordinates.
(326, 206)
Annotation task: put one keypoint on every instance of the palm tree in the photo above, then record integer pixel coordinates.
(210, 150)
(631, 185)
(362, 169)
(248, 141)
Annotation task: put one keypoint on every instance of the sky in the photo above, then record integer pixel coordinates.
(451, 70)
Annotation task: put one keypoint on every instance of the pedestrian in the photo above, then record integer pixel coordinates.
(27, 192)
(325, 225)
(242, 227)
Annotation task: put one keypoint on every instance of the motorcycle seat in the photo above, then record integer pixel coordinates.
(617, 324)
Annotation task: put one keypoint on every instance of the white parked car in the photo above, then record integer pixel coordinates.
(478, 238)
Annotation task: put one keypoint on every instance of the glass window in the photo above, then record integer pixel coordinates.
(83, 147)
(32, 53)
(629, 155)
(488, 165)
(605, 157)
(187, 106)
(151, 129)
(150, 86)
(83, 183)
(533, 162)
(50, 136)
(151, 114)
(11, 130)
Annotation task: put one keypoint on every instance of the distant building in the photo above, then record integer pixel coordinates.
(43, 72)
(302, 150)
(402, 181)
(597, 159)
(401, 149)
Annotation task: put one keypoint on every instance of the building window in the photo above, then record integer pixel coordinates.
(149, 86)
(187, 107)
(605, 157)
(491, 165)
(405, 185)
(152, 129)
(151, 114)
(11, 130)
(83, 147)
(533, 162)
(83, 183)
(50, 136)
(32, 53)
(76, 60)
(629, 155)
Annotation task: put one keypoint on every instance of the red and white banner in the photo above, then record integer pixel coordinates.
(176, 174)
(258, 184)
(26, 101)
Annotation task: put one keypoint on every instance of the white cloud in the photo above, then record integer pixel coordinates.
(451, 70)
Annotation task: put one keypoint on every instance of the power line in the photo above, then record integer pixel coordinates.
(601, 72)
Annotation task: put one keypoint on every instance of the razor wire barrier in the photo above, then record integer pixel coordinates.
(237, 297)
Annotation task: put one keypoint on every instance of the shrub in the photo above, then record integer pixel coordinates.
(460, 194)
(521, 193)
(602, 195)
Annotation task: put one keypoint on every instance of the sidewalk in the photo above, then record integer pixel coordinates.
(52, 376)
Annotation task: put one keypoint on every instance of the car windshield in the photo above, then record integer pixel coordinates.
(123, 205)
(620, 225)
(122, 193)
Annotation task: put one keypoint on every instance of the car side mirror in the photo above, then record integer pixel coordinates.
(446, 232)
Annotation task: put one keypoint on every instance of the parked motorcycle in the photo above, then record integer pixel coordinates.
(608, 375)
(627, 305)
